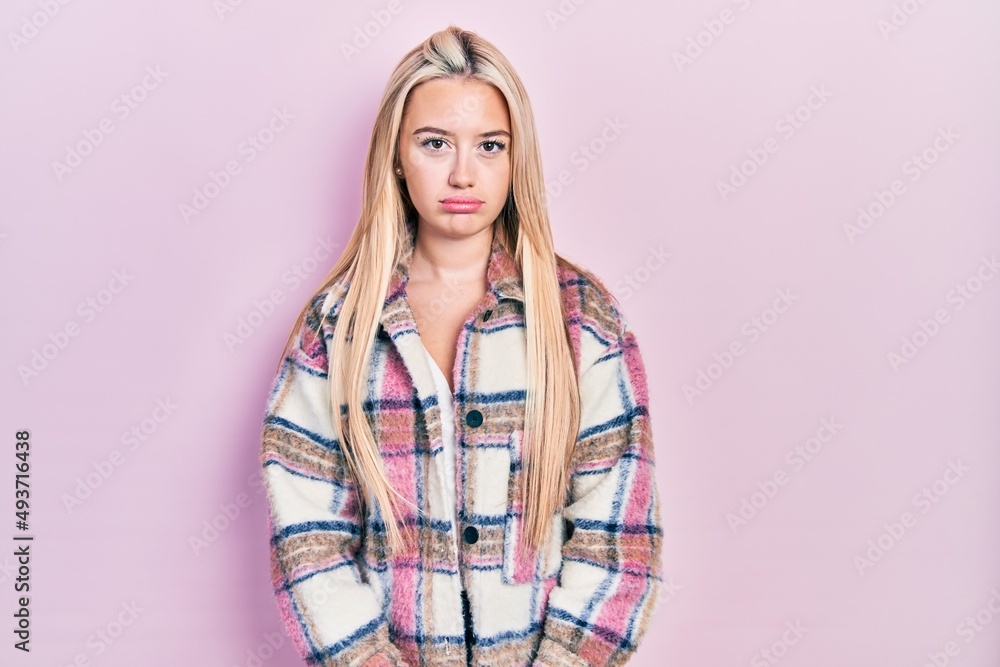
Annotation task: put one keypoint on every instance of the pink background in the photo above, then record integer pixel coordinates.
(672, 131)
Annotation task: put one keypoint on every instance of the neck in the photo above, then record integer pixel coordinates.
(446, 258)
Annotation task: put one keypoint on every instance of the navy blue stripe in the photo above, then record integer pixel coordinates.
(615, 422)
(348, 527)
(602, 632)
(312, 435)
(613, 567)
(332, 650)
(335, 482)
(618, 528)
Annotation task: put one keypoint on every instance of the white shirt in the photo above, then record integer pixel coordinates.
(447, 403)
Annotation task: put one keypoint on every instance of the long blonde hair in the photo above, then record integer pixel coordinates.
(552, 410)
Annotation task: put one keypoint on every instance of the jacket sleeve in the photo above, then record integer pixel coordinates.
(611, 575)
(331, 615)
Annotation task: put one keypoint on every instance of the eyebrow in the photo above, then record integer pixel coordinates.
(438, 130)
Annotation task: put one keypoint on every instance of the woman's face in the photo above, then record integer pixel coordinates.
(454, 144)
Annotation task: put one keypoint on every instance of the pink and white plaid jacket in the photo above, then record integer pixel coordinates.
(588, 600)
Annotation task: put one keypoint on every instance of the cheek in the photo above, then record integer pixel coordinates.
(420, 184)
(502, 179)
(425, 171)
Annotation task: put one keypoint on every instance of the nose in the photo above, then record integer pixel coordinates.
(463, 170)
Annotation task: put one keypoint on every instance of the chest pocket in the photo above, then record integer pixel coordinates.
(521, 564)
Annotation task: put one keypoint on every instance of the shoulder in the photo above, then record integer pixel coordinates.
(316, 326)
(325, 303)
(597, 321)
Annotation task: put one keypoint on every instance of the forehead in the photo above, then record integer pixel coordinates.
(456, 103)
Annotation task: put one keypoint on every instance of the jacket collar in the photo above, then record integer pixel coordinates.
(502, 276)
(397, 320)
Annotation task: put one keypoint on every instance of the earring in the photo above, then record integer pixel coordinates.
(399, 171)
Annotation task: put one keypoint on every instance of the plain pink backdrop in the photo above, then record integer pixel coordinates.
(809, 111)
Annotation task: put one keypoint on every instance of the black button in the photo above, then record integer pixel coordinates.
(474, 418)
(486, 315)
(471, 534)
(569, 528)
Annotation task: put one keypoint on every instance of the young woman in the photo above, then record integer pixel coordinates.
(457, 449)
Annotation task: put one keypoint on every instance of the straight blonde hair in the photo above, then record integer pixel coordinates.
(552, 410)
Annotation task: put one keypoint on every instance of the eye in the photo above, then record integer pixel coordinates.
(435, 141)
(499, 145)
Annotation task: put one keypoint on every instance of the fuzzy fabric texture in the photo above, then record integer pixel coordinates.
(586, 601)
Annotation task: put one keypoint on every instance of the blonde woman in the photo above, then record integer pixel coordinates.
(457, 449)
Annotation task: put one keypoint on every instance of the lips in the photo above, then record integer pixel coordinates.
(461, 204)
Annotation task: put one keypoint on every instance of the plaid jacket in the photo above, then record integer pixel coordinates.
(588, 600)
